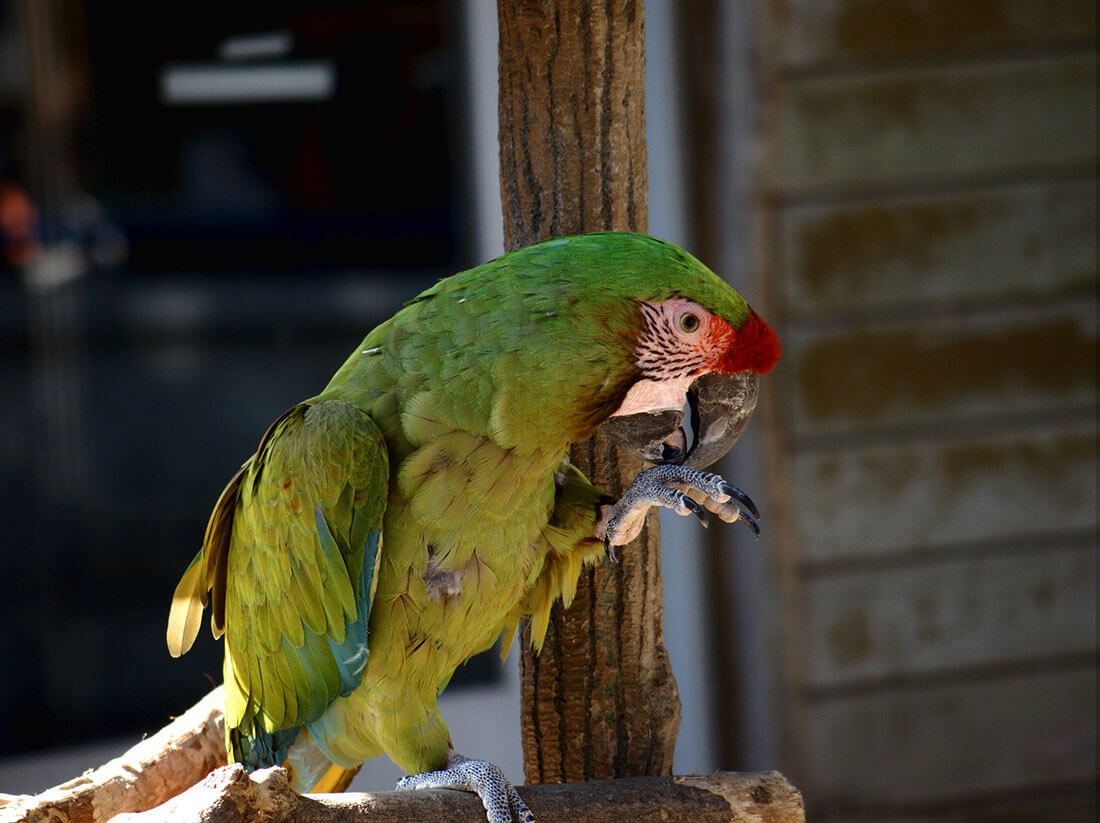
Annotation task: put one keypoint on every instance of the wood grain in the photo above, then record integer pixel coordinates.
(154, 770)
(230, 795)
(601, 700)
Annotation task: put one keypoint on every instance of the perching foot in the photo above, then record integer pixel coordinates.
(500, 798)
(670, 486)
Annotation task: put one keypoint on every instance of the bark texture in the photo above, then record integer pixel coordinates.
(157, 768)
(231, 795)
(572, 118)
(600, 701)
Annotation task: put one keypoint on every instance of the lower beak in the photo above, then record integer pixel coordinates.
(656, 437)
(720, 406)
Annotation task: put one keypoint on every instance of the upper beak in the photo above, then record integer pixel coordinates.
(720, 405)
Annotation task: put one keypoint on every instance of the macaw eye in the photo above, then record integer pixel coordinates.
(689, 322)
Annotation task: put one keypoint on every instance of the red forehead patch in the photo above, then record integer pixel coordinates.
(753, 347)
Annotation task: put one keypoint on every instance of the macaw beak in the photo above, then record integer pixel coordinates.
(657, 437)
(720, 406)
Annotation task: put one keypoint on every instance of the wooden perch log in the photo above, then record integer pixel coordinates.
(179, 774)
(156, 769)
(231, 795)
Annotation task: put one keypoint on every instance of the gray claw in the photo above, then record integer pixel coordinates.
(669, 486)
(499, 797)
(742, 498)
(697, 510)
(751, 521)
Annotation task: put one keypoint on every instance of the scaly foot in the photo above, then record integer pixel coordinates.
(669, 486)
(500, 798)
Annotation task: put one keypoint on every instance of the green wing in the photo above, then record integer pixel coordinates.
(290, 557)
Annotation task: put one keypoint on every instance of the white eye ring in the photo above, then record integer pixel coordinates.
(689, 322)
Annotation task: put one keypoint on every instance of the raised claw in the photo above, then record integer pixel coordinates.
(748, 518)
(697, 510)
(669, 486)
(609, 550)
(732, 491)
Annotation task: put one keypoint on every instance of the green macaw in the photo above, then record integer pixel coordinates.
(422, 504)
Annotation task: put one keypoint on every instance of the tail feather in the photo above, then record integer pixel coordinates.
(336, 779)
(261, 748)
(311, 770)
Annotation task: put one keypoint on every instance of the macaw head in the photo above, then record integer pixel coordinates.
(696, 343)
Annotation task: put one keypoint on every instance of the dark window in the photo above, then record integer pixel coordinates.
(266, 230)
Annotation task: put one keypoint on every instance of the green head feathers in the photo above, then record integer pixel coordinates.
(620, 264)
(541, 342)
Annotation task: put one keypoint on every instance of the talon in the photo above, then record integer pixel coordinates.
(609, 550)
(740, 497)
(697, 510)
(669, 486)
(752, 524)
(499, 797)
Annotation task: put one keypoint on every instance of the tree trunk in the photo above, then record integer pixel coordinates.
(600, 701)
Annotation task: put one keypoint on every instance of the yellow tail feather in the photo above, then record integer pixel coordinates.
(336, 779)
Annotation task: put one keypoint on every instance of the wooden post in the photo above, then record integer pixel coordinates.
(600, 701)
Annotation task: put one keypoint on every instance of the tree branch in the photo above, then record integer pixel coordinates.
(179, 775)
(156, 769)
(173, 769)
(231, 795)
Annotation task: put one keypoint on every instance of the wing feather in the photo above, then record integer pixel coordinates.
(288, 559)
